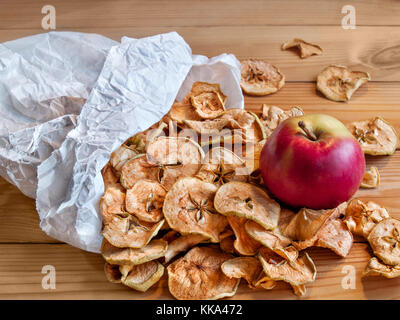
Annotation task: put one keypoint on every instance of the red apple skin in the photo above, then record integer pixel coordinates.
(317, 174)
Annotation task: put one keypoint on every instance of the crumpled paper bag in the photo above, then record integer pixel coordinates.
(138, 83)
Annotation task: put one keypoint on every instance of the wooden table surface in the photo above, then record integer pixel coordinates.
(251, 28)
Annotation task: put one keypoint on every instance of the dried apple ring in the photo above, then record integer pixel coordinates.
(260, 78)
(142, 276)
(305, 49)
(243, 244)
(137, 169)
(246, 200)
(377, 268)
(145, 200)
(112, 203)
(188, 209)
(248, 268)
(272, 117)
(198, 276)
(371, 178)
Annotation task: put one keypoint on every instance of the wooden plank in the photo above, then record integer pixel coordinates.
(79, 275)
(125, 13)
(372, 49)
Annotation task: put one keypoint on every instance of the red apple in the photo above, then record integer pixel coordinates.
(312, 161)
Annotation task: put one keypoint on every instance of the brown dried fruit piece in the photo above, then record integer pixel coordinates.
(142, 276)
(338, 83)
(198, 276)
(362, 217)
(306, 49)
(377, 268)
(324, 229)
(137, 169)
(227, 244)
(260, 78)
(207, 126)
(110, 178)
(207, 99)
(221, 166)
(112, 273)
(182, 244)
(188, 208)
(174, 157)
(183, 111)
(376, 136)
(248, 201)
(129, 232)
(243, 244)
(112, 203)
(145, 200)
(120, 156)
(248, 268)
(371, 178)
(385, 241)
(296, 273)
(273, 240)
(272, 116)
(132, 256)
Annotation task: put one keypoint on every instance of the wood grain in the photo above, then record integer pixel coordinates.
(177, 13)
(372, 49)
(79, 275)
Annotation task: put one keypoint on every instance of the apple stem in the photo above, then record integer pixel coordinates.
(309, 134)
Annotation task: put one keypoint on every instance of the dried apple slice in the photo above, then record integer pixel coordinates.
(188, 209)
(306, 49)
(362, 217)
(338, 83)
(272, 116)
(371, 178)
(132, 256)
(137, 169)
(221, 166)
(183, 244)
(376, 136)
(264, 282)
(243, 244)
(145, 200)
(260, 78)
(120, 156)
(377, 268)
(129, 232)
(385, 241)
(273, 240)
(183, 111)
(227, 244)
(198, 276)
(142, 276)
(248, 268)
(110, 178)
(112, 273)
(112, 203)
(296, 273)
(207, 126)
(248, 201)
(175, 157)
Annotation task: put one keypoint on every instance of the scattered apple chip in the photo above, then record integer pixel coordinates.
(137, 169)
(183, 111)
(221, 166)
(174, 157)
(385, 241)
(272, 116)
(377, 268)
(129, 232)
(273, 240)
(112, 203)
(145, 200)
(249, 201)
(296, 273)
(243, 244)
(198, 275)
(264, 282)
(112, 273)
(132, 256)
(142, 276)
(110, 178)
(260, 78)
(248, 268)
(120, 156)
(182, 244)
(362, 217)
(338, 83)
(376, 136)
(188, 209)
(306, 49)
(371, 178)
